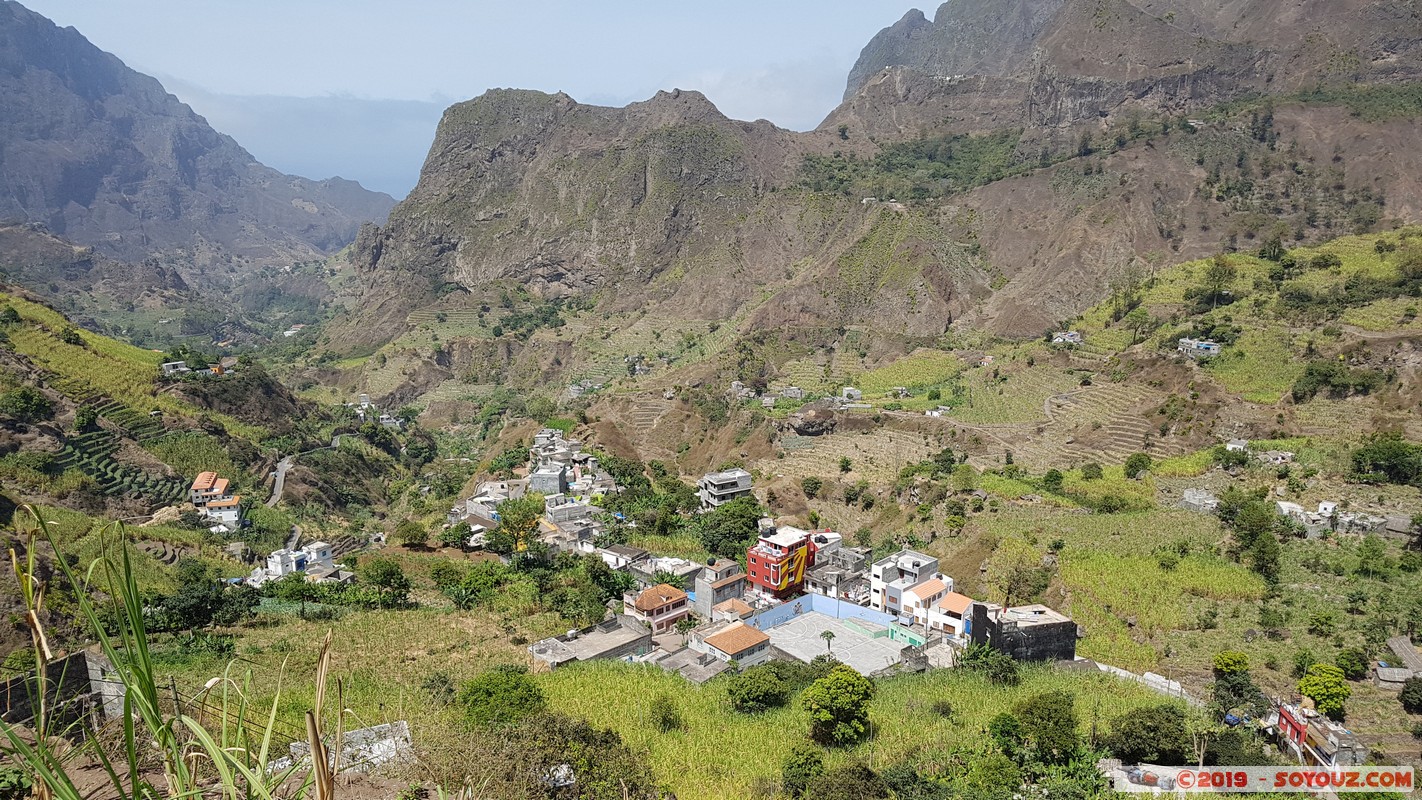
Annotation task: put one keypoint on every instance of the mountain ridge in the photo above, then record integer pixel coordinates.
(104, 156)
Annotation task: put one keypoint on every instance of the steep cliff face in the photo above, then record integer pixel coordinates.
(104, 157)
(665, 203)
(667, 216)
(1054, 64)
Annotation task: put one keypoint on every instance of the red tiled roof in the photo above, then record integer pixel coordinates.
(657, 596)
(204, 481)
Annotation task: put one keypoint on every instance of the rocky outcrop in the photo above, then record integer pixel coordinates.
(103, 156)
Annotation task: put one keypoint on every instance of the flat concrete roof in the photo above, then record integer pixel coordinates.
(587, 646)
(800, 637)
(1035, 614)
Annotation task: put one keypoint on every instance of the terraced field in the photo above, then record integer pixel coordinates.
(876, 456)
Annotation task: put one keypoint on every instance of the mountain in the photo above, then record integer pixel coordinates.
(1054, 64)
(998, 169)
(102, 156)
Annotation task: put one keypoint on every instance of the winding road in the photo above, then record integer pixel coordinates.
(284, 465)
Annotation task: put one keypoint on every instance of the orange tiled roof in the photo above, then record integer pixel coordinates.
(955, 603)
(231, 501)
(735, 605)
(204, 480)
(657, 596)
(736, 638)
(927, 588)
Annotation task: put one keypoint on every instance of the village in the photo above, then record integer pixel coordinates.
(800, 594)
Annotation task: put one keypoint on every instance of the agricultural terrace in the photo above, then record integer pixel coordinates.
(1158, 590)
(120, 371)
(1269, 354)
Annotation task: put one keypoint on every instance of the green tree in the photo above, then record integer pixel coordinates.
(1052, 481)
(1015, 572)
(1049, 721)
(812, 486)
(757, 689)
(1139, 322)
(1353, 663)
(728, 529)
(456, 535)
(1091, 471)
(1152, 734)
(518, 522)
(804, 763)
(410, 533)
(502, 695)
(203, 599)
(1219, 275)
(965, 478)
(838, 705)
(1264, 557)
(1372, 558)
(1327, 687)
(828, 636)
(1136, 464)
(9, 316)
(386, 577)
(1234, 686)
(1411, 697)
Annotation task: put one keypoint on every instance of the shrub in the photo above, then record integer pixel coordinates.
(1411, 697)
(1049, 720)
(757, 689)
(1091, 471)
(812, 486)
(503, 695)
(943, 708)
(1136, 464)
(1303, 659)
(665, 715)
(805, 763)
(1154, 734)
(997, 666)
(850, 782)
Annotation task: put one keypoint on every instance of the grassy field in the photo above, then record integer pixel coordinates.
(918, 371)
(721, 754)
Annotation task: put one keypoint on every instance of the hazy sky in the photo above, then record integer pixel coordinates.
(354, 87)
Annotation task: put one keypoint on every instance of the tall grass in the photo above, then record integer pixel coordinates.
(721, 753)
(163, 751)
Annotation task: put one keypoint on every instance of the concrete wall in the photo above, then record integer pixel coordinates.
(1048, 641)
(81, 690)
(829, 606)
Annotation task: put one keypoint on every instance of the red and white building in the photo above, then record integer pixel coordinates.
(777, 563)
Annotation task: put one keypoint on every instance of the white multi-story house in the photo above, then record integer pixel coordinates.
(891, 577)
(952, 616)
(313, 558)
(719, 488)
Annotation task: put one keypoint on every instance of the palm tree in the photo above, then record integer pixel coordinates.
(828, 636)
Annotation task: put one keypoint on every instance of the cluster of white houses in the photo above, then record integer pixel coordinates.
(316, 561)
(568, 478)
